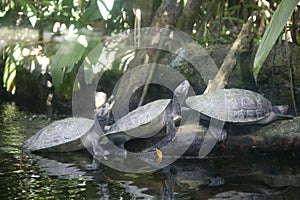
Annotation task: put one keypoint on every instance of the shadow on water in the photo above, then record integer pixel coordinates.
(66, 175)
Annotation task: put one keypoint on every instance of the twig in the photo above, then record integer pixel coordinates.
(242, 42)
(288, 60)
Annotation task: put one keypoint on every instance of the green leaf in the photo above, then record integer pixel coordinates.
(31, 14)
(9, 76)
(68, 54)
(92, 13)
(277, 23)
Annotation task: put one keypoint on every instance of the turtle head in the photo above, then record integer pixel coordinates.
(102, 114)
(282, 109)
(180, 95)
(100, 99)
(278, 112)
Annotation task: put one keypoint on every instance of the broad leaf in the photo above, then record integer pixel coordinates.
(92, 13)
(9, 76)
(277, 23)
(68, 54)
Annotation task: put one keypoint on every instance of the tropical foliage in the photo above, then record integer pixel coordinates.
(53, 36)
(274, 29)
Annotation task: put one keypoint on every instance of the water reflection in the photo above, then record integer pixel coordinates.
(75, 166)
(67, 176)
(55, 168)
(16, 126)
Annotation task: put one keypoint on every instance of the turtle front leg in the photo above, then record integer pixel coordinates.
(214, 134)
(223, 136)
(91, 142)
(170, 125)
(97, 152)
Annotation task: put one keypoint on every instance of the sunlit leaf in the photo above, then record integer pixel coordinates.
(10, 68)
(88, 74)
(98, 9)
(91, 13)
(93, 64)
(31, 14)
(9, 76)
(277, 23)
(105, 7)
(68, 54)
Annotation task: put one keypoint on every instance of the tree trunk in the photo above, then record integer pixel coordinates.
(188, 17)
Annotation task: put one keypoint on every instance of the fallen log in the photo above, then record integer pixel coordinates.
(281, 136)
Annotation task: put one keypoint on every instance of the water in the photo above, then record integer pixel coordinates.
(67, 176)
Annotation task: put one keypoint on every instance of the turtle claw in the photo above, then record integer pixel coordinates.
(97, 150)
(93, 166)
(223, 136)
(101, 155)
(169, 138)
(216, 181)
(120, 153)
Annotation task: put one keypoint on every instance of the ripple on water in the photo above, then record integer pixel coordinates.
(22, 178)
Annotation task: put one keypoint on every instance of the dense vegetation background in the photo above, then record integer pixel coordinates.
(43, 42)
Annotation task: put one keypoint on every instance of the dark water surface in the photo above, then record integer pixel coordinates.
(67, 176)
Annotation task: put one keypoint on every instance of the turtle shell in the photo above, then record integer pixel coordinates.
(143, 121)
(232, 105)
(60, 136)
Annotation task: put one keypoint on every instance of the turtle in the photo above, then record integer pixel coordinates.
(70, 134)
(147, 120)
(232, 105)
(238, 106)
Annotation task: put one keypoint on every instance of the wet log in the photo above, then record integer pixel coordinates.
(280, 136)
